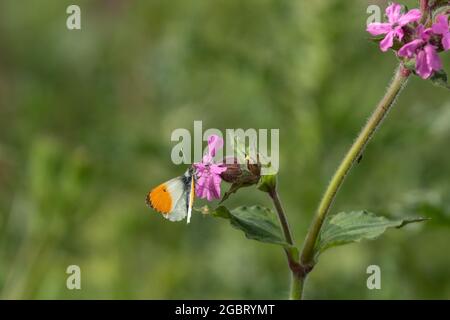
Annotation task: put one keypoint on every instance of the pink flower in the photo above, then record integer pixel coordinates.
(441, 27)
(208, 173)
(393, 28)
(427, 59)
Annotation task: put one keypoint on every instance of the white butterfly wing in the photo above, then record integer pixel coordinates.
(174, 198)
(177, 190)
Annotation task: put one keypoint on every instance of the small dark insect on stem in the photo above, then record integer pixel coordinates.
(359, 158)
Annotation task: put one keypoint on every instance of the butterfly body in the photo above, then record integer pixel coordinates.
(174, 199)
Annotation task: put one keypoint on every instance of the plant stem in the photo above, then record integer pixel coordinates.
(399, 80)
(296, 287)
(423, 5)
(425, 9)
(291, 253)
(282, 216)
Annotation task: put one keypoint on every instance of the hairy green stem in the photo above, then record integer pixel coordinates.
(291, 253)
(398, 82)
(282, 216)
(296, 286)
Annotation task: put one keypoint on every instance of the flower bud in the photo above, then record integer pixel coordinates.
(239, 175)
(254, 168)
(233, 172)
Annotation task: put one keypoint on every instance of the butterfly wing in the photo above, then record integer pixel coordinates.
(174, 199)
(169, 199)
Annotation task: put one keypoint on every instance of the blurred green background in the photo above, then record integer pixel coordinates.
(85, 124)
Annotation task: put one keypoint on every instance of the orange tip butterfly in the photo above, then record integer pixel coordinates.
(174, 199)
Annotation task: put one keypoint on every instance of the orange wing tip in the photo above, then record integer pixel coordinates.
(148, 202)
(159, 199)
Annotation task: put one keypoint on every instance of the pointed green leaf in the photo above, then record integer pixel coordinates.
(258, 223)
(348, 227)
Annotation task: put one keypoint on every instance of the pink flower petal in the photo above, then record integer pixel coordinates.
(399, 33)
(214, 142)
(208, 173)
(446, 41)
(217, 169)
(393, 12)
(441, 25)
(409, 49)
(378, 28)
(214, 187)
(200, 186)
(208, 186)
(423, 33)
(207, 158)
(387, 42)
(208, 189)
(423, 69)
(410, 16)
(433, 59)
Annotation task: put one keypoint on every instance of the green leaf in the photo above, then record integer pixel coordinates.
(221, 212)
(348, 227)
(258, 223)
(439, 78)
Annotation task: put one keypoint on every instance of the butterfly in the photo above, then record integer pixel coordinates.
(174, 199)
